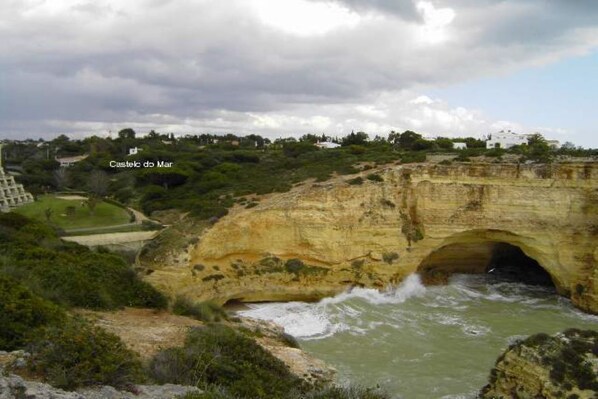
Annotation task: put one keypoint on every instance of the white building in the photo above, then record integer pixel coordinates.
(70, 161)
(134, 150)
(459, 146)
(327, 144)
(506, 139)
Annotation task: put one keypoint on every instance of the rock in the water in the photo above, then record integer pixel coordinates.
(561, 366)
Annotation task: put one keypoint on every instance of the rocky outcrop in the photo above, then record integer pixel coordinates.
(321, 238)
(543, 366)
(13, 386)
(272, 337)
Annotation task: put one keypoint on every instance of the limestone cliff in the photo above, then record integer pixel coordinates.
(561, 366)
(321, 238)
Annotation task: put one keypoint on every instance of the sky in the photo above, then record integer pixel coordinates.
(290, 67)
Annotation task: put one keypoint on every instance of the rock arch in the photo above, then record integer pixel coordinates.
(480, 250)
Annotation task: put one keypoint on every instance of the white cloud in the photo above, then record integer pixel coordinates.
(303, 17)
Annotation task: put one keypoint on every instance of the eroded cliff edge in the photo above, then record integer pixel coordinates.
(320, 238)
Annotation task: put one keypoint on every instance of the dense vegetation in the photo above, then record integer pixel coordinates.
(77, 354)
(41, 277)
(210, 173)
(21, 312)
(67, 273)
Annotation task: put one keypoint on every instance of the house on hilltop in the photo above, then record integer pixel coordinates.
(65, 162)
(506, 139)
(326, 144)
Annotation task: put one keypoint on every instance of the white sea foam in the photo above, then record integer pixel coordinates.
(318, 320)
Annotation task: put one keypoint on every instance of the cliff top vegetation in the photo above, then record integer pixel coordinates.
(207, 174)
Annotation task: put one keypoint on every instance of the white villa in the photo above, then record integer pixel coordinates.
(506, 139)
(70, 161)
(326, 144)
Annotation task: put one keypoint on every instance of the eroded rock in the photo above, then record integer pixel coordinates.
(561, 366)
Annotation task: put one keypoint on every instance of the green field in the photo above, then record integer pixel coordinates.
(104, 214)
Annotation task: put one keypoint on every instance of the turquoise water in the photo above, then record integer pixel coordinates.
(423, 342)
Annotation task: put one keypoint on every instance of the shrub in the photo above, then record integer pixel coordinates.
(356, 181)
(213, 277)
(294, 266)
(204, 311)
(216, 355)
(350, 392)
(390, 257)
(79, 354)
(412, 157)
(375, 177)
(21, 311)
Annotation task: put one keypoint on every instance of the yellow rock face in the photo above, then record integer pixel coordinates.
(321, 238)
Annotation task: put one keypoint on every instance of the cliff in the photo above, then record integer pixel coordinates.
(561, 366)
(320, 238)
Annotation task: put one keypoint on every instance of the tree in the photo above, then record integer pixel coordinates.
(61, 178)
(421, 144)
(127, 133)
(48, 213)
(98, 183)
(91, 203)
(475, 143)
(291, 149)
(539, 149)
(407, 139)
(165, 177)
(359, 138)
(444, 143)
(393, 137)
(309, 138)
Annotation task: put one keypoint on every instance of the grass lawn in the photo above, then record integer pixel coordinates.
(105, 214)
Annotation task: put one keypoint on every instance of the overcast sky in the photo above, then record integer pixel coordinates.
(289, 67)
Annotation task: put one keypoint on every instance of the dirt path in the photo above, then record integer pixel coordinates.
(139, 216)
(146, 331)
(72, 197)
(113, 238)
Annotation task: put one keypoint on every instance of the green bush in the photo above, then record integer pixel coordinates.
(21, 312)
(390, 257)
(294, 266)
(413, 157)
(79, 354)
(204, 311)
(350, 392)
(375, 177)
(355, 181)
(216, 355)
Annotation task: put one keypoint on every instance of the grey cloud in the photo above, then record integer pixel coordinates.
(107, 60)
